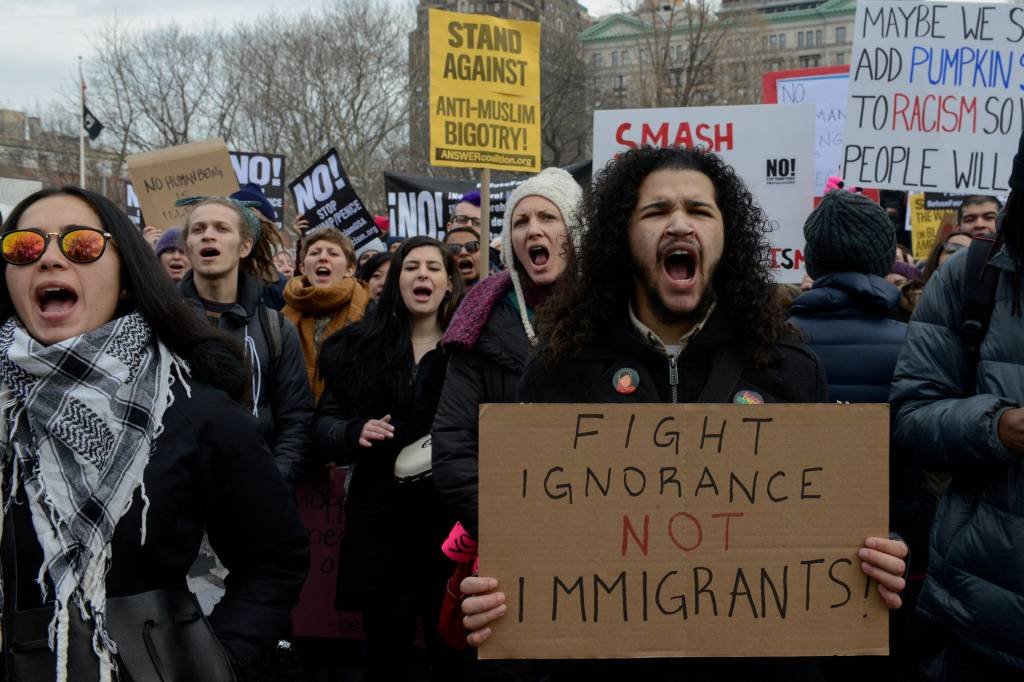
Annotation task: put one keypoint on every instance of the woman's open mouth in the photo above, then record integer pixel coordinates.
(466, 265)
(422, 293)
(539, 255)
(322, 273)
(55, 301)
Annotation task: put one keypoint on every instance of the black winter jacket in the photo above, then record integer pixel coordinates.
(393, 531)
(210, 470)
(796, 377)
(283, 399)
(947, 406)
(845, 317)
(487, 372)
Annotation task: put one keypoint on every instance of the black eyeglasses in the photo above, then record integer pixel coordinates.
(469, 247)
(78, 244)
(464, 220)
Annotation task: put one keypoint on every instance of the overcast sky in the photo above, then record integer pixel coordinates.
(42, 39)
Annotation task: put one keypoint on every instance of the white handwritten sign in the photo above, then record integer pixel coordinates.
(777, 168)
(828, 89)
(935, 96)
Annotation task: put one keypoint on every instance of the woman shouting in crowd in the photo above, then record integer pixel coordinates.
(121, 442)
(490, 339)
(383, 378)
(491, 335)
(326, 297)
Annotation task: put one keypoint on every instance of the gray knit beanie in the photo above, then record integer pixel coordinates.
(561, 189)
(848, 232)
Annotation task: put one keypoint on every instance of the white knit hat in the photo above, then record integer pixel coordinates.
(561, 189)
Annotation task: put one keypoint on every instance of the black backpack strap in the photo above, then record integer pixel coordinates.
(980, 282)
(272, 322)
(726, 369)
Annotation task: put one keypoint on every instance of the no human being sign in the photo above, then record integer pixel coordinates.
(641, 531)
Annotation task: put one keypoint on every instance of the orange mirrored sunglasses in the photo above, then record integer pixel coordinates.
(78, 244)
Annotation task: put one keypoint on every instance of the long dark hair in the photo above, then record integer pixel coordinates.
(598, 283)
(213, 356)
(932, 264)
(367, 269)
(374, 355)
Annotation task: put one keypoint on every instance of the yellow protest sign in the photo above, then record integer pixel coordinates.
(927, 212)
(484, 92)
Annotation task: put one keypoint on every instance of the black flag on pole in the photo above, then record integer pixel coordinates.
(91, 124)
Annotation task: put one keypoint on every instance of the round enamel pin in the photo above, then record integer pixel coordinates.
(748, 398)
(626, 381)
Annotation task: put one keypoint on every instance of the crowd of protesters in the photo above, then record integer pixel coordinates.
(163, 393)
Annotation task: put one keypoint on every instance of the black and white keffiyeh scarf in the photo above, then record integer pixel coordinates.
(77, 425)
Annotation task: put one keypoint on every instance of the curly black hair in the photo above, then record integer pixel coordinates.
(599, 279)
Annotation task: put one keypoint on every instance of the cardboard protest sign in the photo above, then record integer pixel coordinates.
(322, 508)
(484, 92)
(163, 176)
(325, 197)
(636, 531)
(934, 96)
(828, 88)
(266, 170)
(778, 168)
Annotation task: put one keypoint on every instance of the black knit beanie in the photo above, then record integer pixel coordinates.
(848, 232)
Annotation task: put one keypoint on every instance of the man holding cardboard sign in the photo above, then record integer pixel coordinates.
(695, 321)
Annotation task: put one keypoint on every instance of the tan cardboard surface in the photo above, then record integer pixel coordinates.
(163, 176)
(675, 559)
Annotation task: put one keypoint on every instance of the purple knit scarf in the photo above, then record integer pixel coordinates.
(472, 315)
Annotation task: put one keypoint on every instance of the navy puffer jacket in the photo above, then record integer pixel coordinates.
(845, 319)
(947, 409)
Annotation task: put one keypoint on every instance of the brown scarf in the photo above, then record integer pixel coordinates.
(343, 303)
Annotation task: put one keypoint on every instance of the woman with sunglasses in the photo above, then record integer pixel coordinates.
(120, 443)
(383, 376)
(463, 242)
